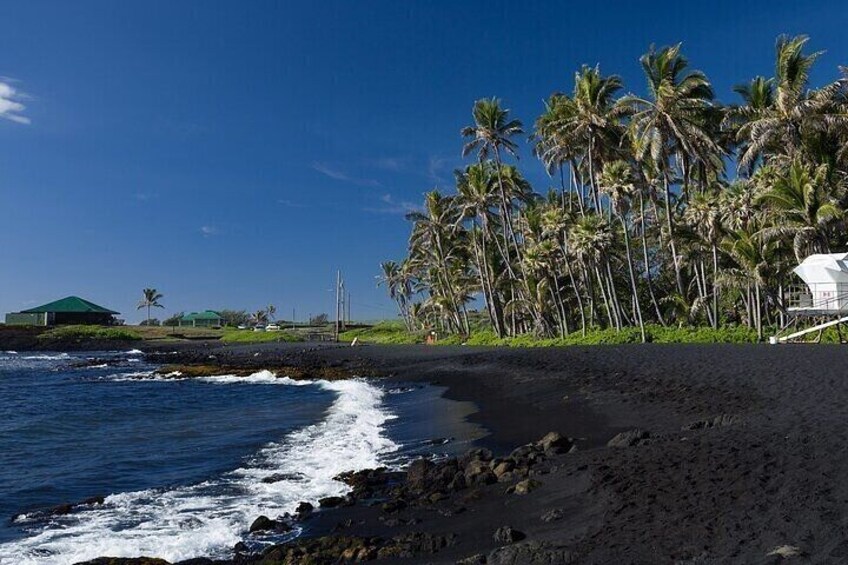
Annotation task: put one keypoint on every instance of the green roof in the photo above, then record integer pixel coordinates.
(205, 315)
(73, 304)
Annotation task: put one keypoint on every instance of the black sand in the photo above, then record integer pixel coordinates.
(747, 450)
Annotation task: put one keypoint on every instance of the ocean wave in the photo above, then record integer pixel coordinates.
(134, 352)
(207, 519)
(45, 357)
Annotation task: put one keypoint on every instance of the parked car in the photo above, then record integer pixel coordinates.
(259, 328)
(273, 328)
(242, 327)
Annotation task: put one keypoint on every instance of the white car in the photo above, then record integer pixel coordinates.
(259, 328)
(273, 328)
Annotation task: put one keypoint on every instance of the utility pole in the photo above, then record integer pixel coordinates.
(348, 308)
(293, 318)
(338, 303)
(344, 306)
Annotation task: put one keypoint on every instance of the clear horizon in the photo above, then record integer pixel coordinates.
(236, 157)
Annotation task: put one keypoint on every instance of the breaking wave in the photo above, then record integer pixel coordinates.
(208, 518)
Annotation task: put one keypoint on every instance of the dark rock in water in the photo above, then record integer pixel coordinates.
(331, 502)
(241, 548)
(277, 477)
(629, 438)
(553, 515)
(506, 534)
(370, 483)
(438, 441)
(61, 509)
(262, 524)
(67, 508)
(303, 509)
(717, 422)
(555, 443)
(531, 553)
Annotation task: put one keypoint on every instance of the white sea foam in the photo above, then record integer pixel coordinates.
(45, 357)
(134, 352)
(209, 518)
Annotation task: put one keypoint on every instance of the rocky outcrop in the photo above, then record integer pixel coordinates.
(265, 524)
(531, 553)
(506, 535)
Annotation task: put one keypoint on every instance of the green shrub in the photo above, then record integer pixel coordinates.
(249, 336)
(90, 332)
(395, 333)
(384, 333)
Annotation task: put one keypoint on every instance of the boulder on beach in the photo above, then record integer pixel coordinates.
(526, 486)
(555, 442)
(507, 534)
(531, 553)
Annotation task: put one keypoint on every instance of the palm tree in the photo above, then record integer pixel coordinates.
(150, 299)
(775, 123)
(398, 284)
(704, 216)
(670, 123)
(272, 311)
(801, 209)
(260, 317)
(617, 184)
(642, 180)
(432, 247)
(492, 132)
(476, 198)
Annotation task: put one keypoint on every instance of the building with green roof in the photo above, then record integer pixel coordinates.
(205, 319)
(70, 310)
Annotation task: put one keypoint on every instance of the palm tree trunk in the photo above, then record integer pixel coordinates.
(670, 225)
(638, 313)
(610, 317)
(715, 286)
(647, 262)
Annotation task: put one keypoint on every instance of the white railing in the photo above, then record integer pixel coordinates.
(818, 297)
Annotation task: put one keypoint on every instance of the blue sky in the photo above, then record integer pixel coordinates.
(234, 154)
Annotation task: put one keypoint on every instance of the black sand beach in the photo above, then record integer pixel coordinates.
(688, 454)
(739, 457)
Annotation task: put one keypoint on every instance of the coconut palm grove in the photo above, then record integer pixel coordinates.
(666, 207)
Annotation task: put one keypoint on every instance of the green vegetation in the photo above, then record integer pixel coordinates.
(384, 333)
(247, 336)
(395, 333)
(90, 332)
(668, 209)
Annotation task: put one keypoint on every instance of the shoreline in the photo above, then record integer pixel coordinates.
(737, 453)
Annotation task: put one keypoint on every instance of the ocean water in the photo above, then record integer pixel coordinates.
(181, 462)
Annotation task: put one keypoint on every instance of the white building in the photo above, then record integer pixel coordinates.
(826, 277)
